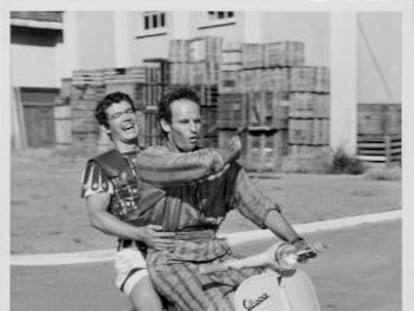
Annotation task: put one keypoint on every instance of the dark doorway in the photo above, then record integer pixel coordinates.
(38, 115)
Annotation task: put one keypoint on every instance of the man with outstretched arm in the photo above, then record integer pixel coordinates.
(111, 188)
(194, 212)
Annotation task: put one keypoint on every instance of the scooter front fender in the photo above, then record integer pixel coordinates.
(274, 292)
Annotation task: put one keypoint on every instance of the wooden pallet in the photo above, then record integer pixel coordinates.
(379, 148)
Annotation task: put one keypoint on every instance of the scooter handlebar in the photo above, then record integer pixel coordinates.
(282, 256)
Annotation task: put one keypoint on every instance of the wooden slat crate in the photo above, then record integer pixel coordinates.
(322, 79)
(231, 67)
(299, 131)
(232, 56)
(379, 148)
(308, 131)
(208, 94)
(302, 79)
(309, 105)
(379, 119)
(253, 55)
(265, 149)
(231, 82)
(88, 77)
(285, 53)
(206, 49)
(309, 79)
(275, 79)
(179, 73)
(252, 80)
(152, 130)
(179, 50)
(135, 74)
(265, 110)
(163, 65)
(207, 73)
(208, 119)
(232, 111)
(84, 121)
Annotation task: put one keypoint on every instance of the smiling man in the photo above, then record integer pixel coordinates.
(111, 188)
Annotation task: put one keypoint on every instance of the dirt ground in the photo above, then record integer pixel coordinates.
(47, 214)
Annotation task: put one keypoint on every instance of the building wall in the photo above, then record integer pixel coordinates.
(383, 33)
(230, 33)
(33, 57)
(95, 40)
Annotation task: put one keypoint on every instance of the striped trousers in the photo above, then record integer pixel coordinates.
(183, 285)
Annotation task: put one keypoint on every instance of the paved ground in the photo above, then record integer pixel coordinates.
(361, 272)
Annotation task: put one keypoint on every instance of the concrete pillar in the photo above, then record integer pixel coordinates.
(180, 24)
(343, 56)
(121, 39)
(253, 27)
(68, 54)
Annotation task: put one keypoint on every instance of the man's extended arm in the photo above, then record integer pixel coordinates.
(261, 210)
(161, 166)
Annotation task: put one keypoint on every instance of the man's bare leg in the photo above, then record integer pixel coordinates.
(144, 297)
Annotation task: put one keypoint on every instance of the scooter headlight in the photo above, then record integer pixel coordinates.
(286, 256)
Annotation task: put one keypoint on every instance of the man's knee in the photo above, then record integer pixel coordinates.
(144, 297)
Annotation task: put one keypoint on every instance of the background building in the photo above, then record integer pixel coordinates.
(361, 50)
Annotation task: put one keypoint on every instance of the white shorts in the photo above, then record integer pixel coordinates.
(130, 267)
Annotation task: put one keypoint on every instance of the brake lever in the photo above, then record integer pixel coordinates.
(311, 253)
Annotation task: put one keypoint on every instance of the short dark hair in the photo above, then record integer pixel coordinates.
(173, 94)
(108, 100)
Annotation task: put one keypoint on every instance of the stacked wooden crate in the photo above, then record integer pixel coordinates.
(152, 130)
(179, 57)
(195, 61)
(87, 89)
(379, 132)
(255, 96)
(205, 59)
(308, 123)
(208, 99)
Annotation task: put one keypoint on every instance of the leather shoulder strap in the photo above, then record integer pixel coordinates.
(112, 163)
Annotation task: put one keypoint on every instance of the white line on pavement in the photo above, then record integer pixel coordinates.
(233, 238)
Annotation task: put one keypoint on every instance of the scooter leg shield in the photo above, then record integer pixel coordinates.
(271, 292)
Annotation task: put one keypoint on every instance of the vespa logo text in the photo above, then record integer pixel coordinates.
(250, 304)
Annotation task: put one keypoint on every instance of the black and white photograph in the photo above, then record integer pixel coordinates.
(222, 157)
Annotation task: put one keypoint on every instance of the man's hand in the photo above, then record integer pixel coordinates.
(234, 147)
(226, 154)
(309, 250)
(153, 237)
